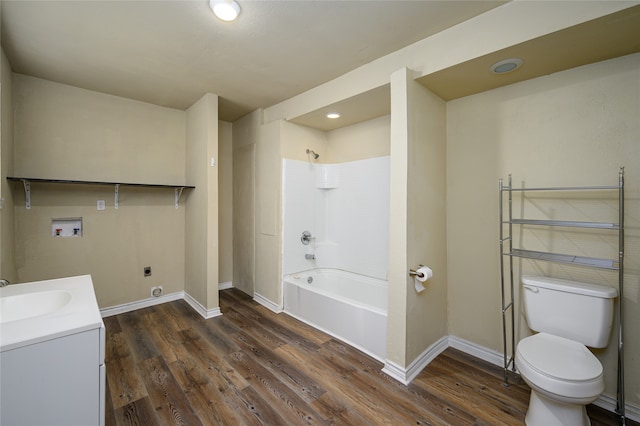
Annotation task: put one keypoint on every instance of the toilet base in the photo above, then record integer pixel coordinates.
(544, 411)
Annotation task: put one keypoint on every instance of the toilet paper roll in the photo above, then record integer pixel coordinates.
(422, 274)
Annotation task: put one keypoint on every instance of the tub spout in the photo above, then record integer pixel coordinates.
(310, 256)
(4, 283)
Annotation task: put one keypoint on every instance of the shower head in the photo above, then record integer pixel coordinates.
(315, 155)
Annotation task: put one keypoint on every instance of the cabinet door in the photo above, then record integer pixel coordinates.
(52, 383)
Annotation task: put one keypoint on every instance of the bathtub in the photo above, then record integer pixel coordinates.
(348, 306)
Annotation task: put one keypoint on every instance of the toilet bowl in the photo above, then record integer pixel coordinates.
(564, 377)
(563, 374)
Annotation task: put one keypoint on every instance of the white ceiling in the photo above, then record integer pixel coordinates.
(170, 53)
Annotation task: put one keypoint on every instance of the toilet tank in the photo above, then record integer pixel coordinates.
(573, 310)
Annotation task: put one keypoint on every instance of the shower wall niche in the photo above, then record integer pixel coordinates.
(345, 207)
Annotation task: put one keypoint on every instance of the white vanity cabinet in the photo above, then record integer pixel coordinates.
(56, 382)
(55, 378)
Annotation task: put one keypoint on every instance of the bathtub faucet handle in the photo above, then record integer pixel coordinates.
(306, 238)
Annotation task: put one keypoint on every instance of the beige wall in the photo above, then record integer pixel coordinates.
(69, 133)
(571, 128)
(201, 237)
(225, 199)
(360, 141)
(296, 139)
(7, 248)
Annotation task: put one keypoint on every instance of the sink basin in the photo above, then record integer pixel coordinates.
(28, 305)
(39, 311)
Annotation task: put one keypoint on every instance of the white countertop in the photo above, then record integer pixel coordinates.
(81, 313)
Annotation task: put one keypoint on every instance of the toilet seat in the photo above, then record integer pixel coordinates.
(559, 366)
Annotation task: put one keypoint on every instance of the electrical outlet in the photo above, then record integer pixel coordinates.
(156, 291)
(147, 271)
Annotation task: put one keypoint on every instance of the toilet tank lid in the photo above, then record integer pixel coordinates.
(567, 286)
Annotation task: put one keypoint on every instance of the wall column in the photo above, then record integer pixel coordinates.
(417, 322)
(201, 239)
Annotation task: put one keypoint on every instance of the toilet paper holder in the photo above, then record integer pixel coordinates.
(415, 273)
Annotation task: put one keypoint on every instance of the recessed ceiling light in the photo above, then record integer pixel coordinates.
(227, 10)
(506, 66)
(333, 115)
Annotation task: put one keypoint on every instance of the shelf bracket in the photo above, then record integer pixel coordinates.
(116, 196)
(178, 194)
(27, 193)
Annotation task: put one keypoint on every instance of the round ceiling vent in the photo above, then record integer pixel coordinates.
(505, 66)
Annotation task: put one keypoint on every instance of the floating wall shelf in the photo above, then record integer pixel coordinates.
(27, 187)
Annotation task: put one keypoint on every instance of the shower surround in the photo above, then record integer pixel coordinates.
(345, 208)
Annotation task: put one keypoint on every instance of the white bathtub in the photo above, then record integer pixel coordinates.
(348, 306)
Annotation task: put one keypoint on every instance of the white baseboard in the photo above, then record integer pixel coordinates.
(477, 351)
(204, 312)
(145, 303)
(609, 403)
(132, 306)
(405, 376)
(267, 303)
(396, 372)
(224, 286)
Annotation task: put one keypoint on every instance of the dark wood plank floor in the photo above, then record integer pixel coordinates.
(168, 366)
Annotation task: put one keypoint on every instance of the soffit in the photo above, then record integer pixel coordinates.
(604, 38)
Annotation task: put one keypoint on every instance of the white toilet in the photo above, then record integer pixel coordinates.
(563, 374)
